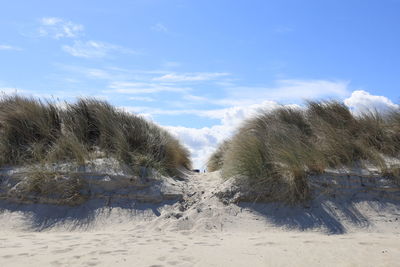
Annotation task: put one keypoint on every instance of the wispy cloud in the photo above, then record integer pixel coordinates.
(159, 27)
(142, 98)
(9, 47)
(285, 90)
(144, 88)
(229, 116)
(191, 77)
(281, 91)
(98, 73)
(10, 90)
(58, 28)
(94, 49)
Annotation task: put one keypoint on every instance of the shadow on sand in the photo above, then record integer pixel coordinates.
(331, 215)
(40, 217)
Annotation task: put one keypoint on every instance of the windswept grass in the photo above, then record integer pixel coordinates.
(33, 131)
(216, 160)
(274, 152)
(28, 128)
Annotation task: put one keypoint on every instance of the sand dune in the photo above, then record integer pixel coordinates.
(200, 230)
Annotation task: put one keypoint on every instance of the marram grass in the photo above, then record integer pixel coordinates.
(274, 152)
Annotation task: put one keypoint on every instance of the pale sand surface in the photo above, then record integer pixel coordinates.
(138, 248)
(201, 231)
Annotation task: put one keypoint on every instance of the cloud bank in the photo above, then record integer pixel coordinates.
(362, 101)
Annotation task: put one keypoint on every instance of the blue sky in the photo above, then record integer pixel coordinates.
(199, 67)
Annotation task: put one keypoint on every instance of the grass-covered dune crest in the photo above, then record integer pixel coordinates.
(33, 130)
(275, 154)
(37, 137)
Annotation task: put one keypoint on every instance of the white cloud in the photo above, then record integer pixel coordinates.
(9, 47)
(203, 142)
(361, 101)
(143, 88)
(190, 77)
(51, 21)
(159, 27)
(231, 116)
(97, 73)
(286, 90)
(94, 49)
(10, 91)
(142, 98)
(58, 28)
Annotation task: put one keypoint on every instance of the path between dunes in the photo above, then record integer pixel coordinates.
(202, 231)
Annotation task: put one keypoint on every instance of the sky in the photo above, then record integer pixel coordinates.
(199, 68)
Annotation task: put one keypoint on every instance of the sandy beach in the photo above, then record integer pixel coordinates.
(204, 233)
(149, 248)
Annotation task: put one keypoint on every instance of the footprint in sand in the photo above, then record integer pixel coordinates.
(92, 263)
(55, 263)
(366, 243)
(23, 254)
(186, 258)
(173, 262)
(119, 251)
(102, 252)
(265, 244)
(57, 251)
(8, 256)
(26, 235)
(163, 258)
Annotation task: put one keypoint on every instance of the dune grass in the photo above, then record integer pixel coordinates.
(216, 161)
(274, 152)
(35, 131)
